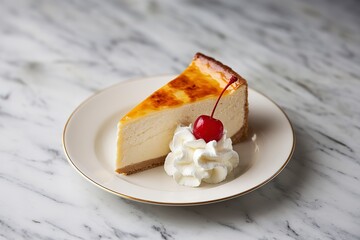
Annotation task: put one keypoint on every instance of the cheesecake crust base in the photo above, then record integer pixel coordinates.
(141, 166)
(239, 136)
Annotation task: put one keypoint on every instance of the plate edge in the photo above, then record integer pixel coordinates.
(169, 203)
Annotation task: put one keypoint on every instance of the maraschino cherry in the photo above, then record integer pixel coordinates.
(207, 127)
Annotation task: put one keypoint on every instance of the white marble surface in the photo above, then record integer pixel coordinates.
(303, 54)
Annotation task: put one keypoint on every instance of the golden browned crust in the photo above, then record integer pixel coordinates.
(141, 166)
(219, 67)
(196, 82)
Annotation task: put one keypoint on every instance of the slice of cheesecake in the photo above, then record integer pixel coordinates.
(145, 132)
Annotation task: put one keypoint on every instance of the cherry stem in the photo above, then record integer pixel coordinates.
(232, 80)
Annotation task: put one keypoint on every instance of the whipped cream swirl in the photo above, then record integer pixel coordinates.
(193, 160)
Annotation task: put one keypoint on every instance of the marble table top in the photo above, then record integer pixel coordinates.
(305, 55)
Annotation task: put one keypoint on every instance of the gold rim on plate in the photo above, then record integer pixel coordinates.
(170, 203)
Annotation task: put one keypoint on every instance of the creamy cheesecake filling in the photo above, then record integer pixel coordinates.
(141, 141)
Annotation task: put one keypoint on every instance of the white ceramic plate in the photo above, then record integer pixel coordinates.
(89, 141)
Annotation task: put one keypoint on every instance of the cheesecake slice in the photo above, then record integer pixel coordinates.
(145, 132)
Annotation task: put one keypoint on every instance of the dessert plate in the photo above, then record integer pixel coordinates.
(89, 141)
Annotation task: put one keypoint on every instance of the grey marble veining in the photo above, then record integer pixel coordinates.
(303, 54)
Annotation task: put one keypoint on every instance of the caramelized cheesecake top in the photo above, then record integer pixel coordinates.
(203, 78)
